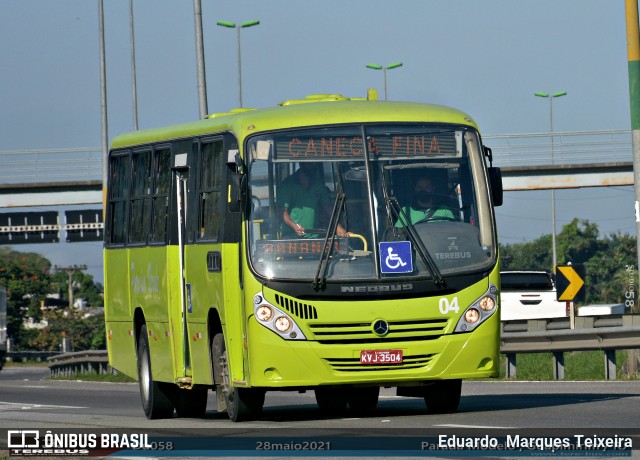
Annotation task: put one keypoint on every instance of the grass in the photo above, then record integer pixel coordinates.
(116, 378)
(578, 365)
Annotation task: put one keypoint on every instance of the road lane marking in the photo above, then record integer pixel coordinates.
(4, 405)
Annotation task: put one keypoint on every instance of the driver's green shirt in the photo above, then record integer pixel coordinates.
(417, 215)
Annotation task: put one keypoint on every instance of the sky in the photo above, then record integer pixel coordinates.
(486, 58)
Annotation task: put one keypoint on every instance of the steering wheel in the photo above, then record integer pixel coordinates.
(434, 217)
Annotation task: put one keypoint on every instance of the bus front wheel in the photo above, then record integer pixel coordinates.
(156, 400)
(241, 403)
(443, 396)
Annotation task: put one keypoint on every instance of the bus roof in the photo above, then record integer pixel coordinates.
(312, 111)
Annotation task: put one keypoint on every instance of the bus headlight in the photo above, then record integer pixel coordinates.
(282, 323)
(264, 313)
(275, 319)
(487, 303)
(472, 315)
(478, 312)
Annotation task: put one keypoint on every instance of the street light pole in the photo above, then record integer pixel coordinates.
(103, 100)
(553, 191)
(244, 25)
(384, 72)
(202, 78)
(134, 87)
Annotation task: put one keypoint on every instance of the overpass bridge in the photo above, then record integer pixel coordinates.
(535, 161)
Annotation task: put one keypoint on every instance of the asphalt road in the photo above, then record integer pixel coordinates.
(29, 401)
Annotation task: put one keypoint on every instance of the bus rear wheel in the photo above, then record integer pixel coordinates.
(443, 396)
(241, 403)
(155, 396)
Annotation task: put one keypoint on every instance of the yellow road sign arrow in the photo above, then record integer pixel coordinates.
(575, 283)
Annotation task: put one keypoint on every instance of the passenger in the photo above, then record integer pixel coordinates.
(304, 199)
(423, 206)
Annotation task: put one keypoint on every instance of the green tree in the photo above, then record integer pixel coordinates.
(85, 332)
(532, 255)
(610, 262)
(83, 287)
(26, 279)
(578, 242)
(612, 275)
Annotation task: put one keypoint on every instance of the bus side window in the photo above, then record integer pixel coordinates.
(210, 193)
(160, 198)
(118, 195)
(140, 197)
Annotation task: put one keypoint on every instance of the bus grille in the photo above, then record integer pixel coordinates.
(399, 331)
(353, 364)
(296, 308)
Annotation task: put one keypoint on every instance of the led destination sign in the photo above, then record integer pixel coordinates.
(344, 147)
(299, 248)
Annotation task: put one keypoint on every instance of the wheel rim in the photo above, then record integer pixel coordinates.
(145, 377)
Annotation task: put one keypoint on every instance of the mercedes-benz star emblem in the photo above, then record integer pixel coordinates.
(380, 327)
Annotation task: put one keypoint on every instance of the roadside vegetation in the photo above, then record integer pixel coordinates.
(610, 261)
(37, 292)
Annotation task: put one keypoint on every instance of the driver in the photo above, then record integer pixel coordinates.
(304, 198)
(423, 206)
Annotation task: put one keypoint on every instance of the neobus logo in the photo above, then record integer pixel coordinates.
(377, 288)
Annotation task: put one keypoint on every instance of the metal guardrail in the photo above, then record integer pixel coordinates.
(80, 362)
(606, 333)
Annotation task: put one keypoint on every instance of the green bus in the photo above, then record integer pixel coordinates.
(219, 275)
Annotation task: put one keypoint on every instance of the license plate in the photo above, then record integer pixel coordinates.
(380, 356)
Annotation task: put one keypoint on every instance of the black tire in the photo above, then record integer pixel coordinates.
(443, 396)
(331, 401)
(190, 403)
(242, 404)
(155, 396)
(363, 399)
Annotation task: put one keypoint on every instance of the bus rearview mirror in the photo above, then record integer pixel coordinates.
(495, 181)
(237, 193)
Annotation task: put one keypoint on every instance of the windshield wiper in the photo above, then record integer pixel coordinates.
(329, 239)
(393, 207)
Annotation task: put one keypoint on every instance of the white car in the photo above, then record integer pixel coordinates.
(529, 294)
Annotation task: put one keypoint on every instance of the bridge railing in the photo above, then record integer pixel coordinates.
(50, 165)
(572, 147)
(85, 163)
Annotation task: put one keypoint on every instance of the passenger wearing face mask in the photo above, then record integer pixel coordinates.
(423, 208)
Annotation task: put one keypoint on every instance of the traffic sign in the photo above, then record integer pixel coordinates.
(570, 283)
(395, 257)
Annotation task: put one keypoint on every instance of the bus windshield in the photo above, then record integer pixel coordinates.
(369, 202)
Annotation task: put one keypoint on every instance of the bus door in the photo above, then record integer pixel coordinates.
(211, 263)
(180, 178)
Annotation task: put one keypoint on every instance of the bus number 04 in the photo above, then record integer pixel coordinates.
(446, 307)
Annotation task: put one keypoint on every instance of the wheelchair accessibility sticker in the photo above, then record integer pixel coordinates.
(395, 257)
